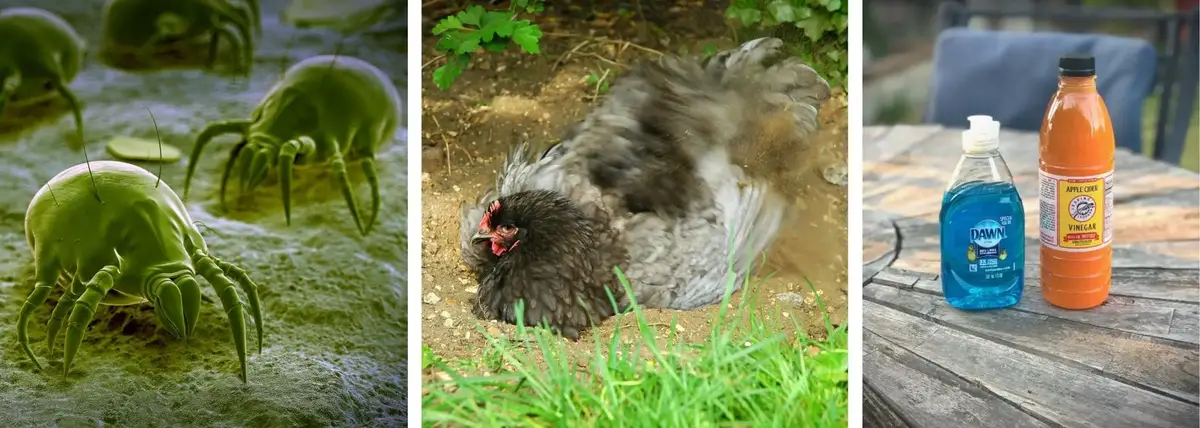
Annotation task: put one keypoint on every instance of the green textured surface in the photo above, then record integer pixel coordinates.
(333, 303)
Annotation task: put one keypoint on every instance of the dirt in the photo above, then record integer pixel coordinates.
(506, 98)
(333, 302)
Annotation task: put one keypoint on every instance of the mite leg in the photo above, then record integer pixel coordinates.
(8, 85)
(168, 306)
(211, 131)
(260, 167)
(47, 276)
(190, 290)
(368, 166)
(287, 157)
(85, 310)
(251, 291)
(65, 304)
(230, 301)
(234, 28)
(66, 93)
(214, 43)
(338, 166)
(233, 154)
(244, 162)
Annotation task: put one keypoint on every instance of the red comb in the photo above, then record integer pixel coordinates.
(487, 216)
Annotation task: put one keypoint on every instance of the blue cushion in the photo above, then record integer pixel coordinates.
(1012, 76)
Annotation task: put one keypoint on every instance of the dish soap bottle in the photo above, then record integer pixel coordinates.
(982, 225)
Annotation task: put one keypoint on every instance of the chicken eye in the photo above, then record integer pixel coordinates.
(507, 229)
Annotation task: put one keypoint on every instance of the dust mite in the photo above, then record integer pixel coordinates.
(328, 109)
(138, 27)
(40, 53)
(112, 233)
(676, 215)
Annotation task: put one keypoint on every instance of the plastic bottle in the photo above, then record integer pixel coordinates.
(982, 225)
(1076, 176)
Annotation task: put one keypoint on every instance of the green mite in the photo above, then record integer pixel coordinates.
(326, 109)
(40, 53)
(143, 28)
(112, 233)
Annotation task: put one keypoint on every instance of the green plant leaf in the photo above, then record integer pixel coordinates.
(814, 28)
(472, 15)
(448, 42)
(447, 24)
(781, 11)
(468, 42)
(498, 44)
(746, 16)
(445, 75)
(527, 36)
(495, 23)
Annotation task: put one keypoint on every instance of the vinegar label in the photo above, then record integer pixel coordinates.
(1076, 212)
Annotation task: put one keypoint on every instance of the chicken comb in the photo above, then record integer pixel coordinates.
(487, 215)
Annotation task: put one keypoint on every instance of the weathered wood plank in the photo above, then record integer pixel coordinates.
(1055, 392)
(1141, 317)
(1126, 357)
(895, 140)
(930, 396)
(877, 413)
(873, 133)
(879, 242)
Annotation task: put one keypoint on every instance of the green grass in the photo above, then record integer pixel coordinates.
(1191, 145)
(748, 373)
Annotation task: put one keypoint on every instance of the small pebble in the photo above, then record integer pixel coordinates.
(141, 149)
(431, 299)
(835, 174)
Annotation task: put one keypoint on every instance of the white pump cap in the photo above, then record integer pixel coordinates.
(983, 135)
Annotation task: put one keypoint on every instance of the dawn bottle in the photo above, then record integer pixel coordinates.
(982, 225)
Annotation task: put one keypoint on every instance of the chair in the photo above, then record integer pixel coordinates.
(1012, 76)
(1033, 58)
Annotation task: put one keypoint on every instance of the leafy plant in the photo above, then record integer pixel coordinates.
(599, 82)
(816, 29)
(464, 33)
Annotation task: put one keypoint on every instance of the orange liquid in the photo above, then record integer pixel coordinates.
(1076, 140)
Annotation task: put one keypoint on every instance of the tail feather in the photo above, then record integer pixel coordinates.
(763, 71)
(754, 222)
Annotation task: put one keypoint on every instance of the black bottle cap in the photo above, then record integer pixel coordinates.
(1079, 65)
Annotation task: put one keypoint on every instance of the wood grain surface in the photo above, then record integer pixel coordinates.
(1131, 362)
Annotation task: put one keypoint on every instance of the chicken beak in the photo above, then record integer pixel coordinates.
(480, 236)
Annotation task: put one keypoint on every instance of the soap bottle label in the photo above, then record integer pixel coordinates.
(986, 250)
(1076, 212)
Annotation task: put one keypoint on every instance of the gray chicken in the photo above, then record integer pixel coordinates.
(644, 183)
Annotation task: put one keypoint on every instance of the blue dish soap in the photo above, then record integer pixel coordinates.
(982, 225)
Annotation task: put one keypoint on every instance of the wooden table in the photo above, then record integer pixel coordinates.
(1129, 363)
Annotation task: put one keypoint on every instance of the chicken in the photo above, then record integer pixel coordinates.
(645, 183)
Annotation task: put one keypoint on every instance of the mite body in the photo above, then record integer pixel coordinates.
(40, 54)
(144, 28)
(120, 236)
(325, 110)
